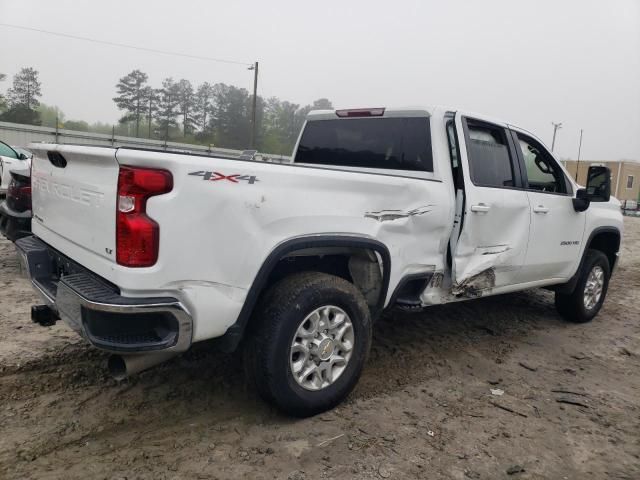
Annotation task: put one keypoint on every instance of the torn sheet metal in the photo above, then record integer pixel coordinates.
(480, 271)
(436, 280)
(390, 215)
(475, 285)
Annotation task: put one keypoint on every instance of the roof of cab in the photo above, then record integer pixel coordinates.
(388, 112)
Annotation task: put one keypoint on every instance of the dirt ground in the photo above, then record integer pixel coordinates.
(423, 408)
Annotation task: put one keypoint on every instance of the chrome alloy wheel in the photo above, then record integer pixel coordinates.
(321, 347)
(593, 288)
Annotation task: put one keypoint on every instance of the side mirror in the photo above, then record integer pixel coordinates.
(598, 188)
(599, 184)
(22, 156)
(582, 201)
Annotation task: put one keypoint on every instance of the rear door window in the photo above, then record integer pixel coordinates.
(382, 143)
(490, 161)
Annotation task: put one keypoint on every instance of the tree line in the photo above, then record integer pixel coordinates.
(210, 113)
(217, 114)
(21, 104)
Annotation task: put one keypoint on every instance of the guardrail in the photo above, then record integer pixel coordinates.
(22, 135)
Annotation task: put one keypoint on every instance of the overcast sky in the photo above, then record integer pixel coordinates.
(527, 62)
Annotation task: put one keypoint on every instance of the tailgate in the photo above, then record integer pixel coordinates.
(74, 197)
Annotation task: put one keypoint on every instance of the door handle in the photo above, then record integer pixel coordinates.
(480, 208)
(540, 209)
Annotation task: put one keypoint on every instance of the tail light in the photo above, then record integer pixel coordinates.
(19, 193)
(137, 235)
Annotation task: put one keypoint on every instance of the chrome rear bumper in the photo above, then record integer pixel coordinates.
(95, 309)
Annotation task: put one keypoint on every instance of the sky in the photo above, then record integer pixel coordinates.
(527, 62)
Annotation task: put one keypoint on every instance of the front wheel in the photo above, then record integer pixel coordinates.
(584, 303)
(310, 344)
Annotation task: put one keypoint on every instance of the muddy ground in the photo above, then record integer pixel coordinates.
(423, 408)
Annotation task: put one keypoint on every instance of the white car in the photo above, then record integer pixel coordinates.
(11, 158)
(146, 252)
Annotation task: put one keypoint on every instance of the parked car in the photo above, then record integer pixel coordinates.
(15, 210)
(146, 252)
(10, 159)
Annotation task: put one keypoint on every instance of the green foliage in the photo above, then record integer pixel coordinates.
(3, 100)
(25, 90)
(186, 102)
(21, 114)
(167, 107)
(203, 106)
(22, 98)
(151, 98)
(232, 119)
(217, 114)
(78, 125)
(49, 114)
(131, 91)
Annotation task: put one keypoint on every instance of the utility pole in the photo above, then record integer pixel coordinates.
(556, 127)
(252, 138)
(579, 149)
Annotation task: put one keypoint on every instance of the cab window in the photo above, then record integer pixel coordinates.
(391, 143)
(490, 161)
(543, 173)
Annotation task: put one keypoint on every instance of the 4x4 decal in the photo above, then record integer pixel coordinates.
(235, 178)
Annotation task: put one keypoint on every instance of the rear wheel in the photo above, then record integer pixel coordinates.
(312, 338)
(584, 303)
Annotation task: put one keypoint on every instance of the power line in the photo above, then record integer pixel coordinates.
(124, 45)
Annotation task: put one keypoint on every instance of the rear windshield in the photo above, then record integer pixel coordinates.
(389, 143)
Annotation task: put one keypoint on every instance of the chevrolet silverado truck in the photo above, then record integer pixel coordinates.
(145, 253)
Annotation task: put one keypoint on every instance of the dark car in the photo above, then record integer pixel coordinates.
(15, 211)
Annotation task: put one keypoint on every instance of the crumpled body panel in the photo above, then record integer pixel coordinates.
(492, 246)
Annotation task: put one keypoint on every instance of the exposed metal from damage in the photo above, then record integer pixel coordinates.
(436, 280)
(476, 285)
(390, 215)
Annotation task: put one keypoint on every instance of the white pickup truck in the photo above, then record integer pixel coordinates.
(146, 252)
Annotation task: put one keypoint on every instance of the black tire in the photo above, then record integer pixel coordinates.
(276, 320)
(572, 306)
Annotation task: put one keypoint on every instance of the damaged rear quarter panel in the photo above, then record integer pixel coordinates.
(223, 231)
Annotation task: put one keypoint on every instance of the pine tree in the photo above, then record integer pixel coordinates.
(151, 98)
(167, 106)
(25, 90)
(131, 97)
(203, 108)
(186, 101)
